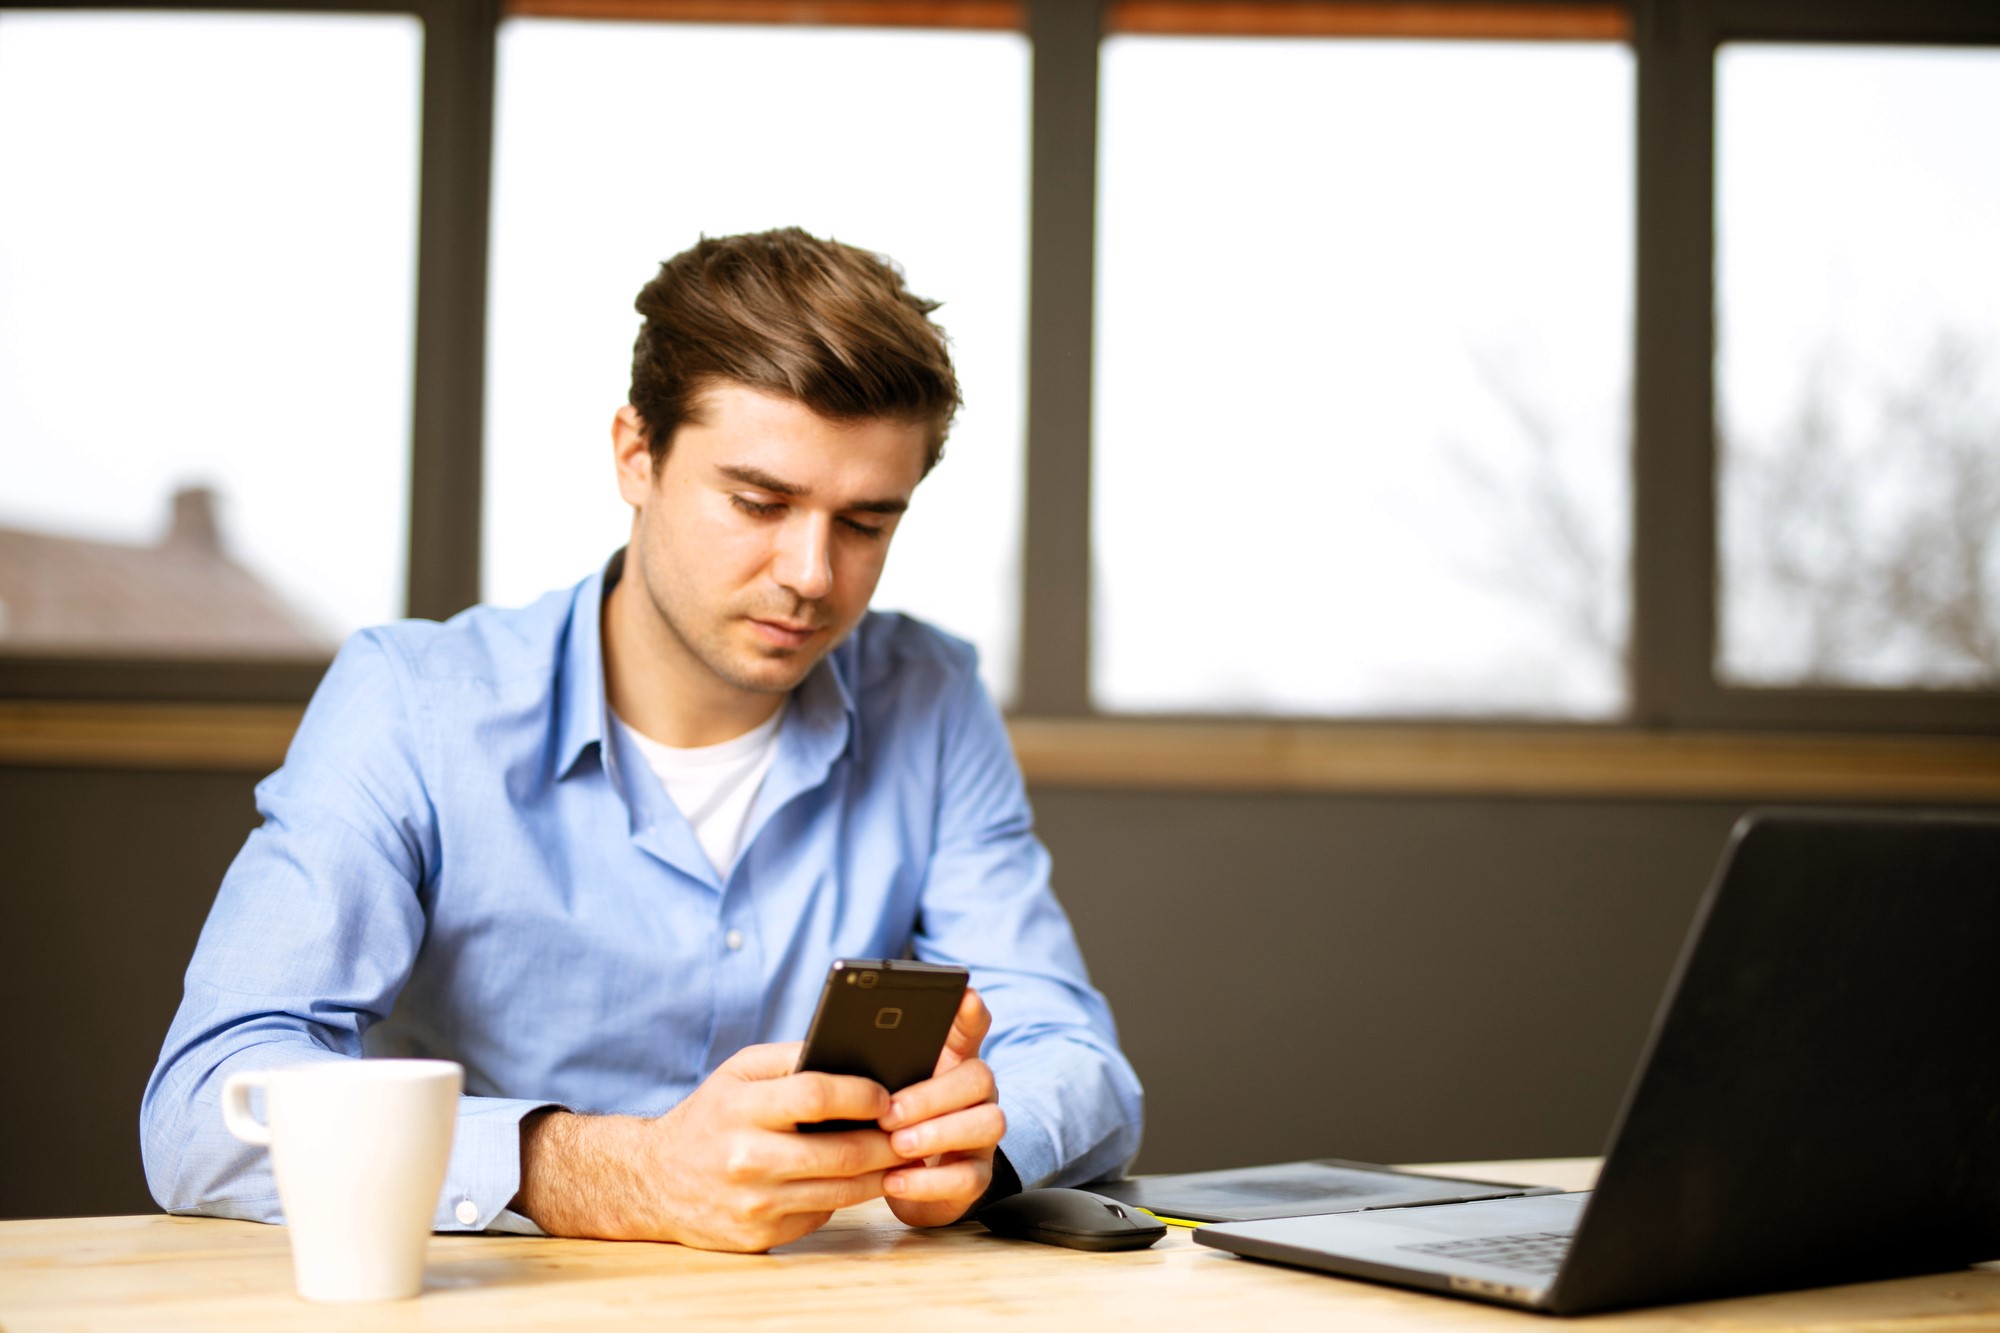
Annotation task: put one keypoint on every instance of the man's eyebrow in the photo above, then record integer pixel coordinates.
(764, 481)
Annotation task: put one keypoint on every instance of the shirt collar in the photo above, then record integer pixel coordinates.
(579, 694)
(825, 707)
(823, 704)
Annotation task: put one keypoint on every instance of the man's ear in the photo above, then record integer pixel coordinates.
(632, 456)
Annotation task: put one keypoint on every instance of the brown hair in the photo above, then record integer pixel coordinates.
(823, 323)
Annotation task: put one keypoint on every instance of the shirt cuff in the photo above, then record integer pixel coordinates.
(485, 1171)
(1067, 1122)
(1030, 1151)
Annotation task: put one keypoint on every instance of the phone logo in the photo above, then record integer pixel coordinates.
(889, 1017)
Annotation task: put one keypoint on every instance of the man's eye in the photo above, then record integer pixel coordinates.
(753, 508)
(864, 529)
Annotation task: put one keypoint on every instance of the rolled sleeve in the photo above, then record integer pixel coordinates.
(311, 937)
(1074, 1105)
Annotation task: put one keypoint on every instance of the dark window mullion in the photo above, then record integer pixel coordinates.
(1673, 442)
(1055, 575)
(448, 396)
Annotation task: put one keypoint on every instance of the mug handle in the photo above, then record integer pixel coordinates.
(236, 1108)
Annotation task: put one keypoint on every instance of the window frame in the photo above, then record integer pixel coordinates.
(1675, 420)
(1674, 683)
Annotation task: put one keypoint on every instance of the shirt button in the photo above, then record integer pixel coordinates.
(468, 1212)
(734, 939)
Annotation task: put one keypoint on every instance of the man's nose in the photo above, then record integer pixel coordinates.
(803, 562)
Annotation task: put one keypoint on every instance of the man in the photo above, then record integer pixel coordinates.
(600, 850)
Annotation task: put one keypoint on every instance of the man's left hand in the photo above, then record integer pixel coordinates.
(948, 1126)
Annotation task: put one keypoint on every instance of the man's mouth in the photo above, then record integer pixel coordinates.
(784, 633)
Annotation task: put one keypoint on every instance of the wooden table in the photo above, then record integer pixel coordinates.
(863, 1271)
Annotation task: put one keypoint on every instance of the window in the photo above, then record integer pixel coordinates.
(207, 226)
(1364, 320)
(1858, 364)
(1387, 360)
(619, 144)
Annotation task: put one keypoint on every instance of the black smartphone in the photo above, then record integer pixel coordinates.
(884, 1019)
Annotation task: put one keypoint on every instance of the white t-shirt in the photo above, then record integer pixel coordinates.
(714, 785)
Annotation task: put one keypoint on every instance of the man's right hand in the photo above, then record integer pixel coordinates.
(724, 1170)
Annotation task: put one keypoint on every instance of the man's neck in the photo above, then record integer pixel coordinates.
(660, 689)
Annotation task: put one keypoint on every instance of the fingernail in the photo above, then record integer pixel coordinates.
(895, 1116)
(892, 1185)
(904, 1143)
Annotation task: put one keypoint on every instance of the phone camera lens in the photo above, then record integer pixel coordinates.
(868, 979)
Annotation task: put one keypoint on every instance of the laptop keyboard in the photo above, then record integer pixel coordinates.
(1527, 1252)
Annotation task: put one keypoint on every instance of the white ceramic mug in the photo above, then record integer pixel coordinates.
(359, 1148)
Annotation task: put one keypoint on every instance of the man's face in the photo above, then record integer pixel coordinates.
(759, 537)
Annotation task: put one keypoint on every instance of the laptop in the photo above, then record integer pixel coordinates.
(1818, 1103)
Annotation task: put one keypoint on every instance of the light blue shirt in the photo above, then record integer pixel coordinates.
(460, 859)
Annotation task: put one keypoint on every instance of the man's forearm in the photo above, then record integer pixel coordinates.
(725, 1169)
(581, 1175)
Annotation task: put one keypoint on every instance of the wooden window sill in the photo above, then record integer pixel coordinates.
(1144, 755)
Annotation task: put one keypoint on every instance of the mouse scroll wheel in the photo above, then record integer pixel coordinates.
(1117, 1211)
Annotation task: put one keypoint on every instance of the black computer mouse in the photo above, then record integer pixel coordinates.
(1076, 1218)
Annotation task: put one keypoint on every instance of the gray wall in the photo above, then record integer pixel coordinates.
(1389, 979)
(105, 878)
(1385, 979)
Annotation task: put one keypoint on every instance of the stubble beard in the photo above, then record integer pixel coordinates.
(722, 658)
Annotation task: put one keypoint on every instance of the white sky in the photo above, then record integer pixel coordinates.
(1308, 250)
(1858, 220)
(1857, 211)
(207, 250)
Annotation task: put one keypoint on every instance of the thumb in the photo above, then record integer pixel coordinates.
(968, 1029)
(770, 1060)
